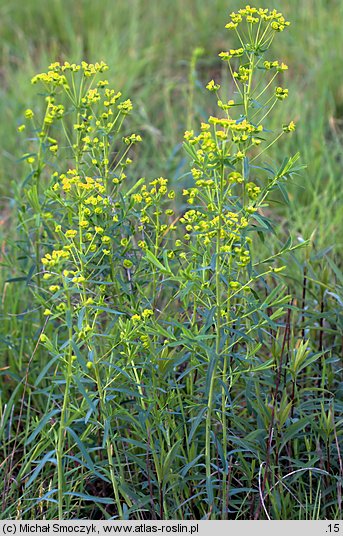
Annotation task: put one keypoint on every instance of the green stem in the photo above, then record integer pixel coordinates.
(268, 147)
(109, 446)
(218, 334)
(247, 88)
(63, 422)
(224, 399)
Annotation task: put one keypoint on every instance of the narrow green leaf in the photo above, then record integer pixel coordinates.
(41, 425)
(151, 258)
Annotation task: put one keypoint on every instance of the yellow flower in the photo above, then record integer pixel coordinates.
(231, 26)
(71, 233)
(212, 86)
(147, 313)
(125, 107)
(29, 114)
(281, 93)
(290, 127)
(188, 134)
(127, 263)
(54, 288)
(134, 138)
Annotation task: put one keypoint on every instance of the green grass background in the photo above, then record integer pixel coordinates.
(148, 45)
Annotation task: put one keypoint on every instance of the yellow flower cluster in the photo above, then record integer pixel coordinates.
(57, 76)
(243, 255)
(125, 107)
(192, 193)
(111, 97)
(80, 185)
(269, 65)
(52, 78)
(212, 144)
(253, 15)
(234, 177)
(206, 227)
(212, 86)
(52, 259)
(145, 315)
(232, 53)
(54, 111)
(281, 93)
(29, 114)
(132, 139)
(90, 195)
(242, 74)
(92, 97)
(290, 127)
(88, 69)
(148, 196)
(83, 199)
(71, 233)
(253, 191)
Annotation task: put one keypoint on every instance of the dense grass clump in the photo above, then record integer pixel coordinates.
(170, 352)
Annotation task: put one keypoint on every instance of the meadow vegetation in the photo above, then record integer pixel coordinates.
(171, 332)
